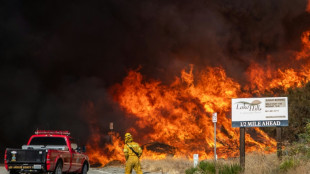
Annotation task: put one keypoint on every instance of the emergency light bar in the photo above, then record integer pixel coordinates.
(38, 132)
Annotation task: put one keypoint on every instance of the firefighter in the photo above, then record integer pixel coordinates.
(132, 152)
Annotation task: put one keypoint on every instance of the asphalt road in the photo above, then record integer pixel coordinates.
(105, 170)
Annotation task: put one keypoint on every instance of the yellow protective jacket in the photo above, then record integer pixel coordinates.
(135, 146)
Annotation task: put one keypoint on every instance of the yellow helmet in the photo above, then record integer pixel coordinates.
(127, 135)
(128, 138)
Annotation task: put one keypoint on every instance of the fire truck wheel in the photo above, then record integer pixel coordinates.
(13, 172)
(58, 169)
(84, 169)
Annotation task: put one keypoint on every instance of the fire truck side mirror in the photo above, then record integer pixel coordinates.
(74, 146)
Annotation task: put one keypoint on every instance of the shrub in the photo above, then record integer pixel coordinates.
(301, 148)
(208, 167)
(212, 168)
(191, 170)
(232, 169)
(288, 164)
(305, 137)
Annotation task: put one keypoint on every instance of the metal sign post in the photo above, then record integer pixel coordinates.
(214, 120)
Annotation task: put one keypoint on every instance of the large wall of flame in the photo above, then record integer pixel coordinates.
(180, 114)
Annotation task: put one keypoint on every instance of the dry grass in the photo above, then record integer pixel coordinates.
(256, 163)
(259, 163)
(168, 165)
(304, 168)
(174, 166)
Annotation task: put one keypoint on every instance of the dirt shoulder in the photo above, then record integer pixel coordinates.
(118, 170)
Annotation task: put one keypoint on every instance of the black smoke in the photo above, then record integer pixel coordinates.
(57, 57)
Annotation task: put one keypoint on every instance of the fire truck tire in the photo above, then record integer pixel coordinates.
(13, 172)
(58, 169)
(84, 169)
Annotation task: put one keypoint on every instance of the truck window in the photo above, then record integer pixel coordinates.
(48, 141)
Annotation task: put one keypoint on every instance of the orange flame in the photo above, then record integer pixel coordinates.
(179, 114)
(305, 53)
(110, 152)
(262, 80)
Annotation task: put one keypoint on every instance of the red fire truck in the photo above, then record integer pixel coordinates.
(47, 152)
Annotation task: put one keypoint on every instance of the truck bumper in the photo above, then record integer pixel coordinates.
(27, 168)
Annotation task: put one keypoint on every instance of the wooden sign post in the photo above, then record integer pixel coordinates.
(242, 147)
(279, 142)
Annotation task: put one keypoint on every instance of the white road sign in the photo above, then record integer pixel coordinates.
(214, 117)
(259, 112)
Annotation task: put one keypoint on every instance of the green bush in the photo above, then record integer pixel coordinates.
(300, 148)
(299, 112)
(305, 136)
(208, 167)
(232, 169)
(191, 170)
(211, 168)
(288, 164)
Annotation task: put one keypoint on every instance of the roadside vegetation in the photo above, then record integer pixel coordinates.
(168, 166)
(209, 167)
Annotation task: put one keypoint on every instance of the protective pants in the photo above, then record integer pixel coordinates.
(133, 163)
